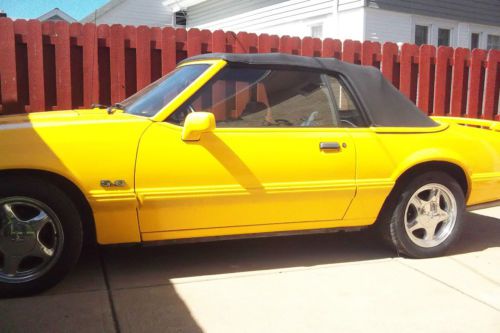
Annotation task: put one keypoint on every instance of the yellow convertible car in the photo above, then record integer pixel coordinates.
(231, 145)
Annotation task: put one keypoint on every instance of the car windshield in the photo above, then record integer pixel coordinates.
(150, 100)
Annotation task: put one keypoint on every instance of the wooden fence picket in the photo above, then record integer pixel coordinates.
(54, 66)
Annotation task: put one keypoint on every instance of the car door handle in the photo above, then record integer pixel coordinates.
(329, 146)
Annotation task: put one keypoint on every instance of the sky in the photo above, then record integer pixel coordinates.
(28, 9)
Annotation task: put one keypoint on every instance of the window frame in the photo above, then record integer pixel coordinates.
(319, 26)
(487, 41)
(215, 66)
(478, 39)
(428, 35)
(450, 36)
(324, 76)
(344, 82)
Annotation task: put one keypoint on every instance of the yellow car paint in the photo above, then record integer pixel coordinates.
(242, 177)
(84, 147)
(196, 124)
(240, 180)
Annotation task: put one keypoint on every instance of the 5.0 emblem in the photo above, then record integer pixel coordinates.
(116, 183)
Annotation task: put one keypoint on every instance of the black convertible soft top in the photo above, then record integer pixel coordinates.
(382, 102)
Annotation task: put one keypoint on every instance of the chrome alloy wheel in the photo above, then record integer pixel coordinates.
(430, 215)
(31, 239)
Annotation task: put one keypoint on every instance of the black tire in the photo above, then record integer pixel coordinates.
(391, 222)
(70, 223)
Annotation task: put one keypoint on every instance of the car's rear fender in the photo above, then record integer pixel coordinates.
(437, 159)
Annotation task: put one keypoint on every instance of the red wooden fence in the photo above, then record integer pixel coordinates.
(56, 66)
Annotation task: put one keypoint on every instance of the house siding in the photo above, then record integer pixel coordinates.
(145, 12)
(215, 10)
(386, 26)
(390, 26)
(292, 17)
(350, 4)
(350, 24)
(485, 12)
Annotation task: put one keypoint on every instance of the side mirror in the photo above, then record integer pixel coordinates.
(197, 123)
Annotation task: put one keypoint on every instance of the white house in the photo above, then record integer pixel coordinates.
(56, 14)
(464, 23)
(154, 13)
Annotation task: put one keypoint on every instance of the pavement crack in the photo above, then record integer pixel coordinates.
(471, 269)
(116, 323)
(448, 285)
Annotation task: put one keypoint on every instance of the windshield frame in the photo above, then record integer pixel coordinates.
(215, 66)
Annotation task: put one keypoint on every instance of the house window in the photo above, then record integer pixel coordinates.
(493, 42)
(317, 31)
(421, 34)
(444, 37)
(474, 40)
(180, 18)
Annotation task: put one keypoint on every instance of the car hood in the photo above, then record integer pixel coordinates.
(62, 118)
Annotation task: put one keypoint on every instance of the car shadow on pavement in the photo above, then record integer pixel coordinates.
(156, 265)
(480, 233)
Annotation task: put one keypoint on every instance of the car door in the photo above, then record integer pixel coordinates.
(277, 158)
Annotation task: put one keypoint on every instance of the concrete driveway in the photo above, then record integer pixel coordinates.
(316, 283)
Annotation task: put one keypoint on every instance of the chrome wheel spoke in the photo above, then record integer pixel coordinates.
(435, 195)
(42, 251)
(442, 215)
(417, 203)
(415, 225)
(39, 221)
(11, 264)
(430, 231)
(9, 213)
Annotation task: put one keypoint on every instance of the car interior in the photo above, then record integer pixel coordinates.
(250, 97)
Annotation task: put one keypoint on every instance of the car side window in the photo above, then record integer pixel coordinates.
(262, 97)
(348, 113)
